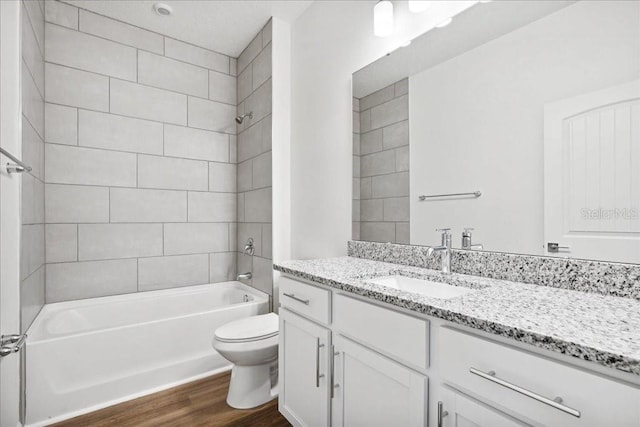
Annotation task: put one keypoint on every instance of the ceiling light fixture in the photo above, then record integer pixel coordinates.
(383, 18)
(419, 6)
(444, 23)
(163, 9)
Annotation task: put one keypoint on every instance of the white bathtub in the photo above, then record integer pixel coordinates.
(88, 354)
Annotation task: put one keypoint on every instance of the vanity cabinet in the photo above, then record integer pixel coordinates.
(304, 366)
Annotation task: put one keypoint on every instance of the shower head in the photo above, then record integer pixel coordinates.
(241, 117)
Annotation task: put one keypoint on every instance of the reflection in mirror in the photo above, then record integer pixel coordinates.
(531, 110)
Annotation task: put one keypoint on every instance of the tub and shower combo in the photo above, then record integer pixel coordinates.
(89, 354)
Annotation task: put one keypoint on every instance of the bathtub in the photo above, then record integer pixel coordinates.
(88, 354)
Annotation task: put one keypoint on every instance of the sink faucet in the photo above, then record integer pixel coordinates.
(466, 241)
(445, 248)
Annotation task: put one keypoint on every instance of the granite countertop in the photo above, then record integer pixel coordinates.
(593, 327)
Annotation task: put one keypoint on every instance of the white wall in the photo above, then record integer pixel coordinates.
(331, 40)
(476, 121)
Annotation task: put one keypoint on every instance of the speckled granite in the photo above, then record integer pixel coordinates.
(606, 278)
(590, 326)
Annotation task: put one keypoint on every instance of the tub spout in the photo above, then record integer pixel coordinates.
(244, 276)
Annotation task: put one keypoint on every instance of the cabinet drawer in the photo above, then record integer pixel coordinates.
(538, 389)
(400, 336)
(304, 299)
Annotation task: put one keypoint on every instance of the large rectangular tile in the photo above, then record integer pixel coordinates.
(198, 144)
(390, 112)
(250, 143)
(171, 174)
(76, 204)
(195, 238)
(396, 209)
(32, 249)
(378, 163)
(250, 52)
(222, 267)
(245, 84)
(87, 166)
(61, 243)
(112, 132)
(119, 31)
(32, 149)
(222, 177)
(61, 14)
(32, 200)
(257, 206)
(172, 271)
(392, 185)
(77, 280)
(395, 135)
(166, 73)
(76, 88)
(376, 98)
(144, 102)
(262, 170)
(267, 240)
(222, 87)
(212, 207)
(32, 102)
(263, 275)
(109, 241)
(261, 68)
(402, 159)
(245, 176)
(259, 102)
(378, 231)
(31, 53)
(138, 205)
(86, 52)
(371, 142)
(196, 55)
(371, 210)
(36, 18)
(212, 115)
(32, 297)
(61, 124)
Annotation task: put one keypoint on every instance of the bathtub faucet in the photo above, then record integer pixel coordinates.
(249, 248)
(244, 276)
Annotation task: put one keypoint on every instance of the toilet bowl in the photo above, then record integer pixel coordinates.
(251, 344)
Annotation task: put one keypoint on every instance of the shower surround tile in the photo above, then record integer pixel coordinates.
(140, 162)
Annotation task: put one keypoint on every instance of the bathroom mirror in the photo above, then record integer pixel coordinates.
(519, 120)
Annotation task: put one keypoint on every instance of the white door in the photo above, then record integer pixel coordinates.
(592, 175)
(304, 371)
(458, 410)
(372, 390)
(9, 207)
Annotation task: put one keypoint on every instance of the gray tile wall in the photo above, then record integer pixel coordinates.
(140, 149)
(254, 160)
(32, 257)
(381, 165)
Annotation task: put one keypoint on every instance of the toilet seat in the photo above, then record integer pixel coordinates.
(253, 328)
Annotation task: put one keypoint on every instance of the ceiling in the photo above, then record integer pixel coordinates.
(224, 26)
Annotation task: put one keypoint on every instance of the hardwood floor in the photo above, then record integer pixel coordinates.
(200, 403)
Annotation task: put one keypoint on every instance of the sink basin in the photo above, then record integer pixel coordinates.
(421, 286)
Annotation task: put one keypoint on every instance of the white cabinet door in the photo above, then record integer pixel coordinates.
(304, 371)
(371, 390)
(459, 410)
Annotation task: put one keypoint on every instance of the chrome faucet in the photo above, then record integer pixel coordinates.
(244, 276)
(249, 249)
(445, 248)
(466, 241)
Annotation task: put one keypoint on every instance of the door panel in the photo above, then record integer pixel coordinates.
(592, 175)
(375, 391)
(463, 411)
(304, 369)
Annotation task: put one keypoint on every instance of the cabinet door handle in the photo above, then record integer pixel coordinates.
(318, 374)
(333, 370)
(556, 403)
(292, 296)
(441, 414)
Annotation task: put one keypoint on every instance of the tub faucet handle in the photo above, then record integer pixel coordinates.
(249, 248)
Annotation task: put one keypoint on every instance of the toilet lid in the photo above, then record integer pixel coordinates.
(249, 329)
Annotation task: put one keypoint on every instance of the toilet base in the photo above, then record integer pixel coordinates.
(252, 386)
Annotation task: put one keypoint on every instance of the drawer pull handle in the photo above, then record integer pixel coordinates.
(318, 374)
(292, 296)
(556, 403)
(441, 414)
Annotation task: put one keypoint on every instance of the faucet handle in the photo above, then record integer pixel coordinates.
(444, 230)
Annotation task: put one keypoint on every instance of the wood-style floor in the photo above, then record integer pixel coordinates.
(199, 403)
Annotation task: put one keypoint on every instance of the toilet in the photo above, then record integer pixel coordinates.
(251, 344)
